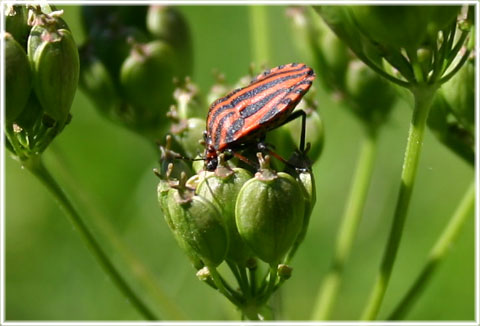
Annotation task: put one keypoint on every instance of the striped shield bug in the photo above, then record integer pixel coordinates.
(245, 115)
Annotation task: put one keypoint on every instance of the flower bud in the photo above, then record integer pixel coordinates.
(199, 223)
(18, 78)
(269, 213)
(221, 189)
(167, 23)
(162, 191)
(370, 96)
(16, 23)
(55, 64)
(284, 272)
(149, 65)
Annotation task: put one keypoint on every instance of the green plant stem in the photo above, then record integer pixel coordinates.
(217, 279)
(423, 95)
(36, 167)
(353, 212)
(437, 254)
(127, 261)
(259, 34)
(271, 282)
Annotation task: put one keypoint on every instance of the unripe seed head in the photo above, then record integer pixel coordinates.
(221, 188)
(269, 214)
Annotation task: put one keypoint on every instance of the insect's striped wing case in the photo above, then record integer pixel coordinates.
(249, 112)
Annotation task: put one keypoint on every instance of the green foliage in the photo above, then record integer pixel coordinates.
(40, 91)
(42, 275)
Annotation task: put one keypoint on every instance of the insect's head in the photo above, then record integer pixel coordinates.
(211, 158)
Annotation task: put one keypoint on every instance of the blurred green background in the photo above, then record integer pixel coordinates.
(50, 274)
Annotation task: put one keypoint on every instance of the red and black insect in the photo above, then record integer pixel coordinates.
(246, 114)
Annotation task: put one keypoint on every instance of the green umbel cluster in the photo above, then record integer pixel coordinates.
(366, 94)
(41, 76)
(132, 56)
(240, 214)
(430, 57)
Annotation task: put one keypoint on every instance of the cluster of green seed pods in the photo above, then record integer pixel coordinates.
(239, 214)
(366, 94)
(132, 56)
(42, 71)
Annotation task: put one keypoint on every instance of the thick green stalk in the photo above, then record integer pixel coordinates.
(36, 166)
(348, 229)
(259, 34)
(423, 95)
(437, 254)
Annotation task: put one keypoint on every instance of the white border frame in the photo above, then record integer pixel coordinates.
(235, 2)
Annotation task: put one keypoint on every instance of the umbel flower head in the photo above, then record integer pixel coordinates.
(42, 69)
(244, 212)
(130, 60)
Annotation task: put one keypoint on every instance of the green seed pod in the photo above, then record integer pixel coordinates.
(306, 181)
(221, 189)
(113, 44)
(55, 64)
(335, 56)
(269, 213)
(199, 223)
(18, 78)
(31, 115)
(16, 23)
(459, 93)
(146, 79)
(189, 134)
(98, 85)
(167, 23)
(190, 103)
(369, 96)
(162, 191)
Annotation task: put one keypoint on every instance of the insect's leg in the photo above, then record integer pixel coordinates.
(299, 163)
(242, 158)
(293, 116)
(263, 147)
